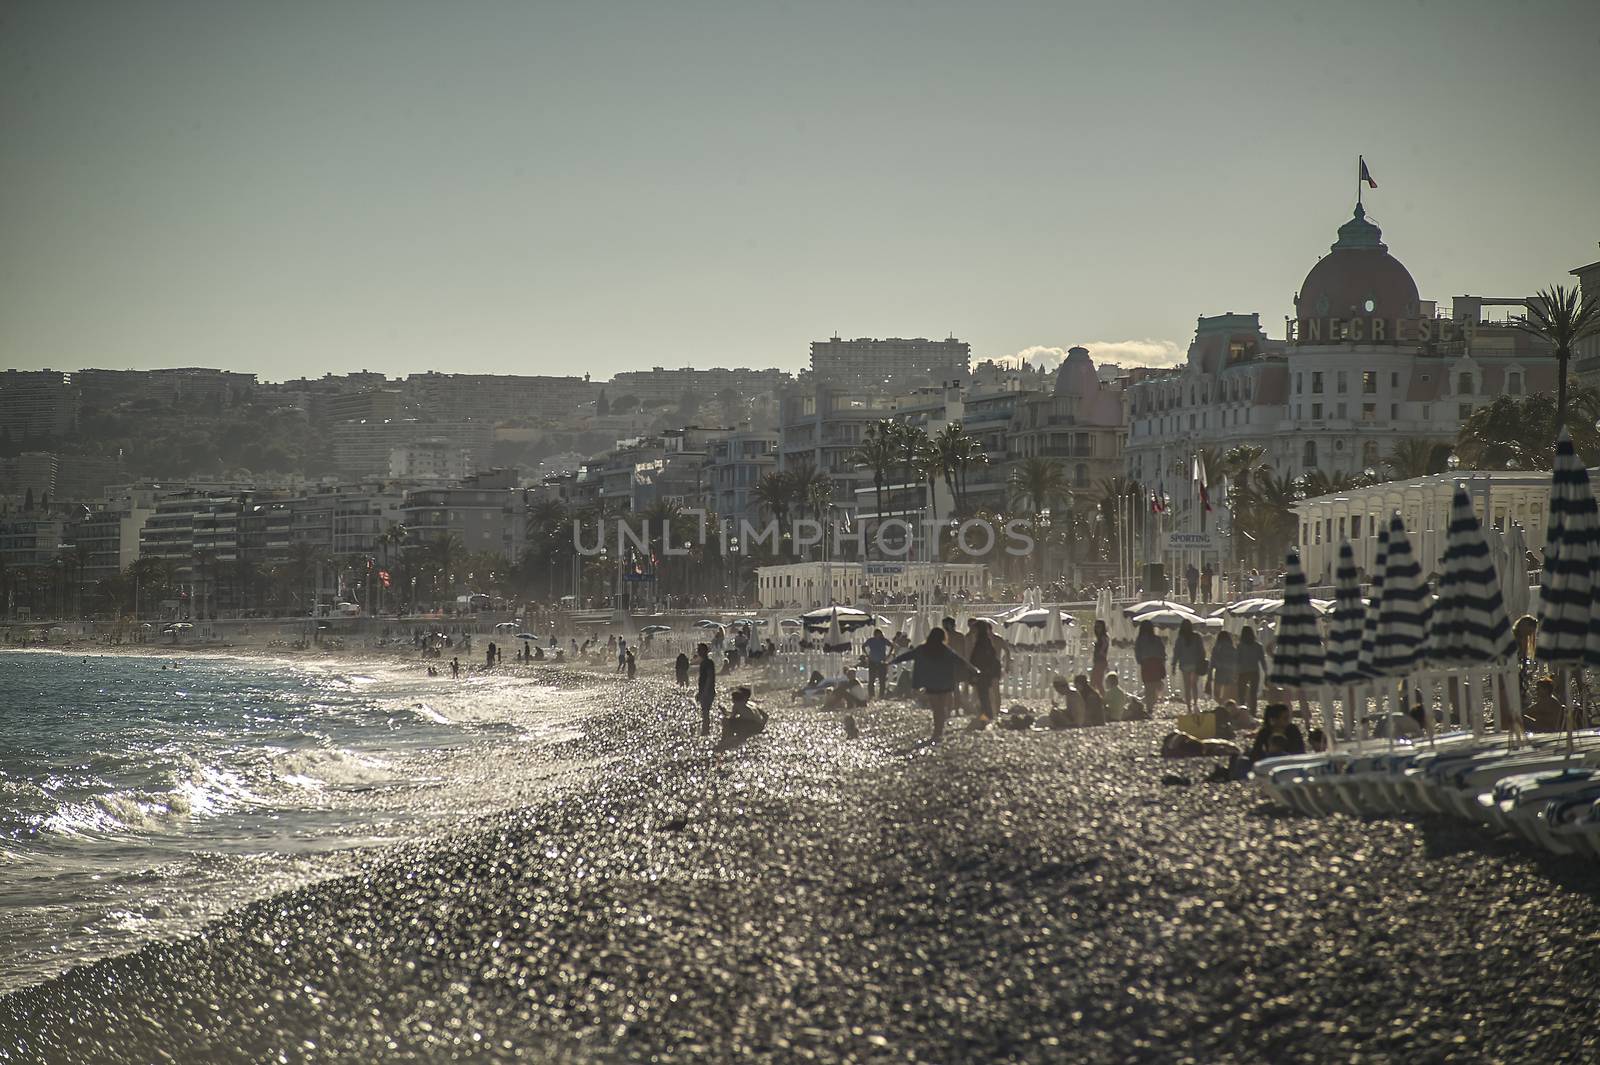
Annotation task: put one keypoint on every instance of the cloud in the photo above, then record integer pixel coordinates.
(1147, 352)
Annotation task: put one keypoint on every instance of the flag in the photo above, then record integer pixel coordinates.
(1366, 175)
(1201, 483)
(383, 575)
(1158, 502)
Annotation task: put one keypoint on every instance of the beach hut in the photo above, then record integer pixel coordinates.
(1298, 653)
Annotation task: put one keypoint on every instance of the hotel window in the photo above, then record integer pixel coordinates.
(1343, 382)
(1297, 383)
(1369, 382)
(1394, 412)
(1316, 382)
(1316, 412)
(1355, 527)
(1191, 421)
(1425, 409)
(1514, 383)
(1369, 453)
(1339, 411)
(1465, 411)
(1369, 412)
(1310, 456)
(1394, 379)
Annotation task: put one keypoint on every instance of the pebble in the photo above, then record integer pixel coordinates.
(1003, 896)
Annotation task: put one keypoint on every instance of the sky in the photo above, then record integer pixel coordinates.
(302, 188)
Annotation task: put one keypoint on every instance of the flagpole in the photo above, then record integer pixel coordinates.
(1359, 161)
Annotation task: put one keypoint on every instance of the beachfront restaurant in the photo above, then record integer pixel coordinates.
(813, 584)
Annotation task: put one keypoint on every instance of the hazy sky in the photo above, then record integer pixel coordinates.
(297, 187)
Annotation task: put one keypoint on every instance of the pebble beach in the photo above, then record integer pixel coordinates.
(1003, 896)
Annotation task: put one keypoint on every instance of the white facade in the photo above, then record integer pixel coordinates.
(1500, 498)
(804, 585)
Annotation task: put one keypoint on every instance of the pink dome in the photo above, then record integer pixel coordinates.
(1358, 279)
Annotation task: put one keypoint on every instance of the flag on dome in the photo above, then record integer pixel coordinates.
(1366, 175)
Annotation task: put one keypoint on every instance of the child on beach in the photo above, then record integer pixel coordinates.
(680, 670)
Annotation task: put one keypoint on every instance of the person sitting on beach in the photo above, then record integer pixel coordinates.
(1278, 734)
(744, 720)
(1093, 706)
(1546, 713)
(847, 694)
(815, 687)
(632, 662)
(1119, 706)
(680, 670)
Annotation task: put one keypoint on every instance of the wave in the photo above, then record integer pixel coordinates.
(323, 767)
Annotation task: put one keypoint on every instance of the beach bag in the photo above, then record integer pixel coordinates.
(1201, 726)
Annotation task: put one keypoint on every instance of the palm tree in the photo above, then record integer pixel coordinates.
(1416, 457)
(1562, 318)
(878, 452)
(774, 493)
(1514, 432)
(912, 444)
(1038, 485)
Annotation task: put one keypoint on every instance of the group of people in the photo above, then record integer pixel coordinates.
(1228, 669)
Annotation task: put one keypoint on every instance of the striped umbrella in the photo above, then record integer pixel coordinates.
(1344, 627)
(1401, 639)
(1297, 655)
(835, 641)
(1572, 544)
(1469, 619)
(1366, 668)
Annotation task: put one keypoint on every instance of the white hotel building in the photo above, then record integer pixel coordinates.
(1365, 364)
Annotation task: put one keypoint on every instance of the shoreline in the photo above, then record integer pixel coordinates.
(1003, 896)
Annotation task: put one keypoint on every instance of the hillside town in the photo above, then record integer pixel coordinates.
(175, 493)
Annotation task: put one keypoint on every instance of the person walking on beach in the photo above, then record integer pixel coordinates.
(1251, 663)
(1224, 668)
(937, 670)
(706, 690)
(1150, 651)
(1189, 655)
(622, 655)
(455, 667)
(680, 670)
(985, 659)
(1101, 661)
(878, 648)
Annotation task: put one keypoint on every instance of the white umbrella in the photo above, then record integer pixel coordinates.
(848, 618)
(1039, 617)
(1469, 626)
(1055, 635)
(835, 641)
(1297, 655)
(1172, 619)
(1158, 604)
(1512, 566)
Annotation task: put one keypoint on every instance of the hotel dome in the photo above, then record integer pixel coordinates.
(1360, 285)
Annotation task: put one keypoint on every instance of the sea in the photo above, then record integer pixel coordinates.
(142, 796)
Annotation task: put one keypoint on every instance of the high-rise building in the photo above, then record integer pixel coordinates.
(890, 365)
(37, 404)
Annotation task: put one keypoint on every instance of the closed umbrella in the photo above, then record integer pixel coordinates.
(1469, 626)
(1512, 565)
(1298, 653)
(1055, 636)
(1366, 668)
(1568, 585)
(1572, 544)
(1402, 630)
(1342, 668)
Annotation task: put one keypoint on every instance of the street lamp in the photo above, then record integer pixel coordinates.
(1453, 462)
